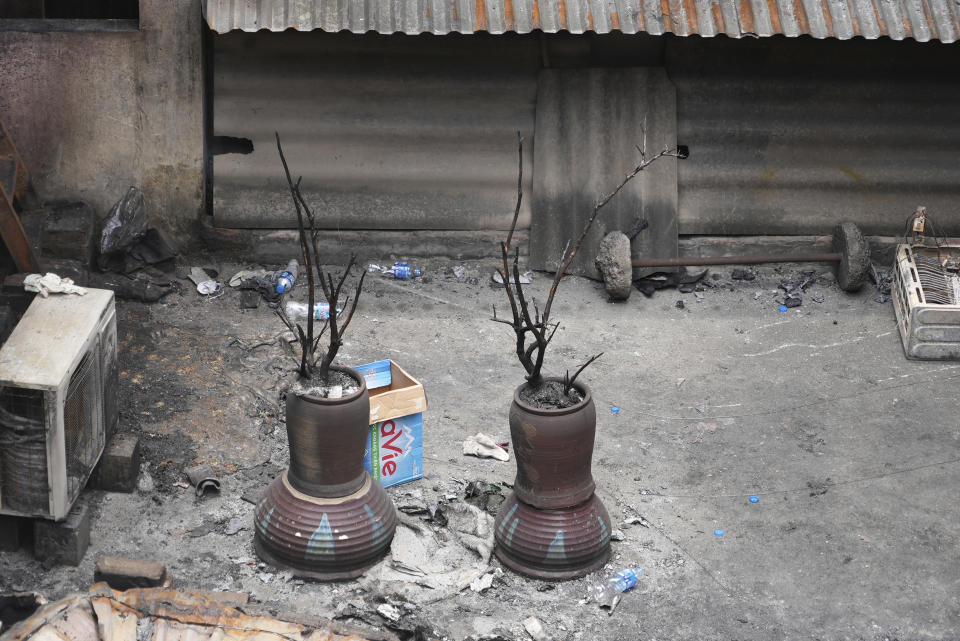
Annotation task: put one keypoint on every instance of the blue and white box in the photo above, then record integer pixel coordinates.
(394, 452)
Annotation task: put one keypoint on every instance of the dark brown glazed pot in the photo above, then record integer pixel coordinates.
(553, 544)
(325, 517)
(554, 448)
(553, 526)
(330, 539)
(327, 437)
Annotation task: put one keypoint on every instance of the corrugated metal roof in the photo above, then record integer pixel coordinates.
(922, 20)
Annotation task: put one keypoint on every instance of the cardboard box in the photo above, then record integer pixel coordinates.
(394, 452)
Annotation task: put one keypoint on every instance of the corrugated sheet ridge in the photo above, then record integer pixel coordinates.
(922, 20)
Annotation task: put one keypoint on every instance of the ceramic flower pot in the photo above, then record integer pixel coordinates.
(325, 517)
(553, 526)
(554, 450)
(327, 437)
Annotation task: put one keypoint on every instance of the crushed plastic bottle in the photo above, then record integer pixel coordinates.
(625, 579)
(400, 270)
(608, 594)
(287, 277)
(297, 310)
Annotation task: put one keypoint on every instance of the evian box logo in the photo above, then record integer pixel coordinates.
(394, 452)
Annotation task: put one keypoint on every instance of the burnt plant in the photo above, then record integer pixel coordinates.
(313, 366)
(533, 327)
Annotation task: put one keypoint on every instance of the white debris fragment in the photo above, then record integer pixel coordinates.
(483, 446)
(388, 611)
(535, 629)
(484, 581)
(524, 278)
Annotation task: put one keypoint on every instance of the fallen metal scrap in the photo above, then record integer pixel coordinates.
(157, 614)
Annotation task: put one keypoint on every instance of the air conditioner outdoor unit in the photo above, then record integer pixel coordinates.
(58, 401)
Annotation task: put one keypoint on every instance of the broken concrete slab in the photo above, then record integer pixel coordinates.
(119, 465)
(63, 541)
(123, 574)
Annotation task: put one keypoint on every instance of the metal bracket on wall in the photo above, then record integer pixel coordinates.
(15, 189)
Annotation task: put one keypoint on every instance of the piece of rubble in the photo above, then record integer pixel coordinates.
(524, 278)
(484, 496)
(63, 541)
(235, 525)
(535, 629)
(636, 520)
(119, 465)
(203, 478)
(388, 611)
(485, 581)
(123, 574)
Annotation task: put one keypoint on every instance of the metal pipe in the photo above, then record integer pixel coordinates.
(737, 260)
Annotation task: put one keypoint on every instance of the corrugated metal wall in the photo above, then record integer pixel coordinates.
(590, 123)
(387, 132)
(788, 137)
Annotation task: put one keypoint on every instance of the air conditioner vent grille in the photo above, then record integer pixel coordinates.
(79, 417)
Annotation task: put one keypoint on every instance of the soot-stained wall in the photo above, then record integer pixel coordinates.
(95, 112)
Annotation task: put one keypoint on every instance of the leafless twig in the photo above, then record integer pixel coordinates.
(309, 341)
(568, 382)
(537, 328)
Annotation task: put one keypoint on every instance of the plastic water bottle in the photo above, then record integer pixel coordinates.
(298, 310)
(401, 270)
(608, 594)
(288, 277)
(625, 579)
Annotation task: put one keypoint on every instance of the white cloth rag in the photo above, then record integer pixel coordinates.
(485, 447)
(50, 283)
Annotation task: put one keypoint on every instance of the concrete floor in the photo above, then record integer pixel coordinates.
(853, 451)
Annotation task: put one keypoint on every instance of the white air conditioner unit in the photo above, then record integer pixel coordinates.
(58, 401)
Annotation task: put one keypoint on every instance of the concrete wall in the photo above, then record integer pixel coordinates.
(93, 113)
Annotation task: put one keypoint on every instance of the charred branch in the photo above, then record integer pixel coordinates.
(535, 331)
(568, 380)
(309, 341)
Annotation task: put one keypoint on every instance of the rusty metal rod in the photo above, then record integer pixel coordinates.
(737, 260)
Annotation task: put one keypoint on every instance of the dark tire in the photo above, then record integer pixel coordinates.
(854, 252)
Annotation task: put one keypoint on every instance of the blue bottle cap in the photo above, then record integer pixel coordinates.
(754, 499)
(614, 410)
(783, 308)
(718, 532)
